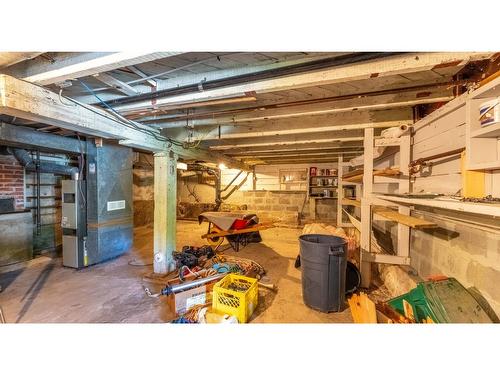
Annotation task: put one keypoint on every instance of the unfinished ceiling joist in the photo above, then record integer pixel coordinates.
(386, 66)
(115, 83)
(31, 102)
(67, 66)
(11, 58)
(342, 125)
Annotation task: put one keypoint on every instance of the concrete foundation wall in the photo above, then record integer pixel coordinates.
(16, 237)
(268, 199)
(467, 252)
(143, 196)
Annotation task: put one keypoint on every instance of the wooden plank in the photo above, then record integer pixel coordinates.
(381, 172)
(385, 258)
(115, 83)
(366, 214)
(362, 309)
(351, 202)
(165, 211)
(69, 65)
(409, 221)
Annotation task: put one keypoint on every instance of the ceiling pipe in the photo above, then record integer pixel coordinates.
(305, 102)
(245, 78)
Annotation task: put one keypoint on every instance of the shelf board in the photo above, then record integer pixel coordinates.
(351, 202)
(489, 209)
(409, 221)
(358, 176)
(490, 131)
(323, 186)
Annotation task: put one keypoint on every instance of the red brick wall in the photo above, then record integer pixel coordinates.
(12, 180)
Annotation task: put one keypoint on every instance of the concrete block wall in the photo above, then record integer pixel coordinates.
(470, 253)
(12, 180)
(268, 200)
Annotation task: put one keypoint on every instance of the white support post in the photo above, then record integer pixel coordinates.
(366, 214)
(340, 190)
(403, 249)
(165, 194)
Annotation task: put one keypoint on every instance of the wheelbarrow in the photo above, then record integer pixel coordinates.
(238, 229)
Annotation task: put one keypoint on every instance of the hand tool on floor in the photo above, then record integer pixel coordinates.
(168, 290)
(271, 287)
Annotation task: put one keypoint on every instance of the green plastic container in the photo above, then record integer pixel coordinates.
(444, 301)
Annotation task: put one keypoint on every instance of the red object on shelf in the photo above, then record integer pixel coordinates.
(239, 224)
(313, 171)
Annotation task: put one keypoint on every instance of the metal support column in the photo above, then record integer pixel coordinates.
(165, 214)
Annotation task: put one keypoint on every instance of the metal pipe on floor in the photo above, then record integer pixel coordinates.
(168, 290)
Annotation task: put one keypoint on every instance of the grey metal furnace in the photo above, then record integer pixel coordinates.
(106, 229)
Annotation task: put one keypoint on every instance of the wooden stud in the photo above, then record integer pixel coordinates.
(366, 215)
(165, 211)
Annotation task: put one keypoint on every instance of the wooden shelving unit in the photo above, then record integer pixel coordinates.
(482, 142)
(318, 184)
(368, 205)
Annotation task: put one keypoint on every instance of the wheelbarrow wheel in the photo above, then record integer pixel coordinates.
(215, 242)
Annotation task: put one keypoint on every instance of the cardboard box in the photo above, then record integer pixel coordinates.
(181, 302)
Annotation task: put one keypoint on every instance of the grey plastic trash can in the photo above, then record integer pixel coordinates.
(323, 263)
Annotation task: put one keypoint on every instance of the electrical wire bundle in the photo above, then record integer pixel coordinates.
(121, 119)
(247, 266)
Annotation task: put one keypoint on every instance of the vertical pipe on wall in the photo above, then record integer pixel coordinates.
(38, 205)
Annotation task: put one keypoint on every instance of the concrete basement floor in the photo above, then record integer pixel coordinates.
(43, 291)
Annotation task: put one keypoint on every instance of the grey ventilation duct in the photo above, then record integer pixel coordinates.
(24, 158)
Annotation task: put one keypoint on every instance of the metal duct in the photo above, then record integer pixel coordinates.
(24, 158)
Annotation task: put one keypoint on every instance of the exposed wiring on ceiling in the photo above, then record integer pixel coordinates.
(130, 124)
(133, 124)
(62, 102)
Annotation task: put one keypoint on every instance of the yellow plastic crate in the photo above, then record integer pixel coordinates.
(238, 303)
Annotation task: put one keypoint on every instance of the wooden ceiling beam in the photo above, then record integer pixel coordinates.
(72, 65)
(28, 101)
